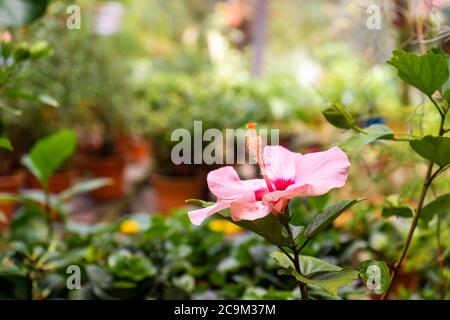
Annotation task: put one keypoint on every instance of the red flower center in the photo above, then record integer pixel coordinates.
(282, 184)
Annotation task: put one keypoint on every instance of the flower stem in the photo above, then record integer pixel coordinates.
(302, 286)
(296, 261)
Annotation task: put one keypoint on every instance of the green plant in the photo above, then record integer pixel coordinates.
(33, 248)
(428, 73)
(87, 80)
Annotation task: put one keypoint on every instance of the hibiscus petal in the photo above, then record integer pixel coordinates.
(280, 163)
(225, 183)
(277, 199)
(246, 208)
(197, 216)
(273, 197)
(319, 172)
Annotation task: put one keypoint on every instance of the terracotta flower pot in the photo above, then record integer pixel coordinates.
(58, 182)
(135, 149)
(112, 167)
(172, 192)
(12, 184)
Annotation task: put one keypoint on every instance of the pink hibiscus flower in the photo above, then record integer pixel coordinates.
(286, 175)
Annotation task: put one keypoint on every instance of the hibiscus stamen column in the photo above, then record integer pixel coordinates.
(254, 145)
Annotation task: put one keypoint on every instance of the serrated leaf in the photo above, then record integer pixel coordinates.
(406, 212)
(427, 72)
(375, 274)
(436, 149)
(441, 205)
(324, 219)
(330, 281)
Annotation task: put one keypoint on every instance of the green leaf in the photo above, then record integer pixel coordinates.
(29, 225)
(15, 13)
(268, 227)
(40, 49)
(330, 281)
(311, 266)
(48, 154)
(5, 143)
(338, 116)
(370, 134)
(127, 265)
(447, 95)
(441, 205)
(83, 187)
(7, 268)
(282, 260)
(406, 212)
(11, 110)
(16, 93)
(200, 203)
(325, 218)
(375, 274)
(427, 72)
(48, 100)
(185, 282)
(436, 149)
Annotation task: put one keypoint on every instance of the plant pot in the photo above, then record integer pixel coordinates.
(172, 192)
(135, 149)
(112, 167)
(11, 184)
(58, 182)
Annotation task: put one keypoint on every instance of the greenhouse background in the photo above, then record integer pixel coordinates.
(133, 157)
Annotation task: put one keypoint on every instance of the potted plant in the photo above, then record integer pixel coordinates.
(177, 101)
(173, 104)
(93, 94)
(14, 55)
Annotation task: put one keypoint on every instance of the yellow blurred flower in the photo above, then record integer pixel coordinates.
(129, 226)
(224, 226)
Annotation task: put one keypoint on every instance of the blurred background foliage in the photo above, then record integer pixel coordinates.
(144, 68)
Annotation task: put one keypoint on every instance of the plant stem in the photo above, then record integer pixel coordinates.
(296, 261)
(48, 213)
(417, 215)
(440, 258)
(437, 107)
(302, 286)
(429, 177)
